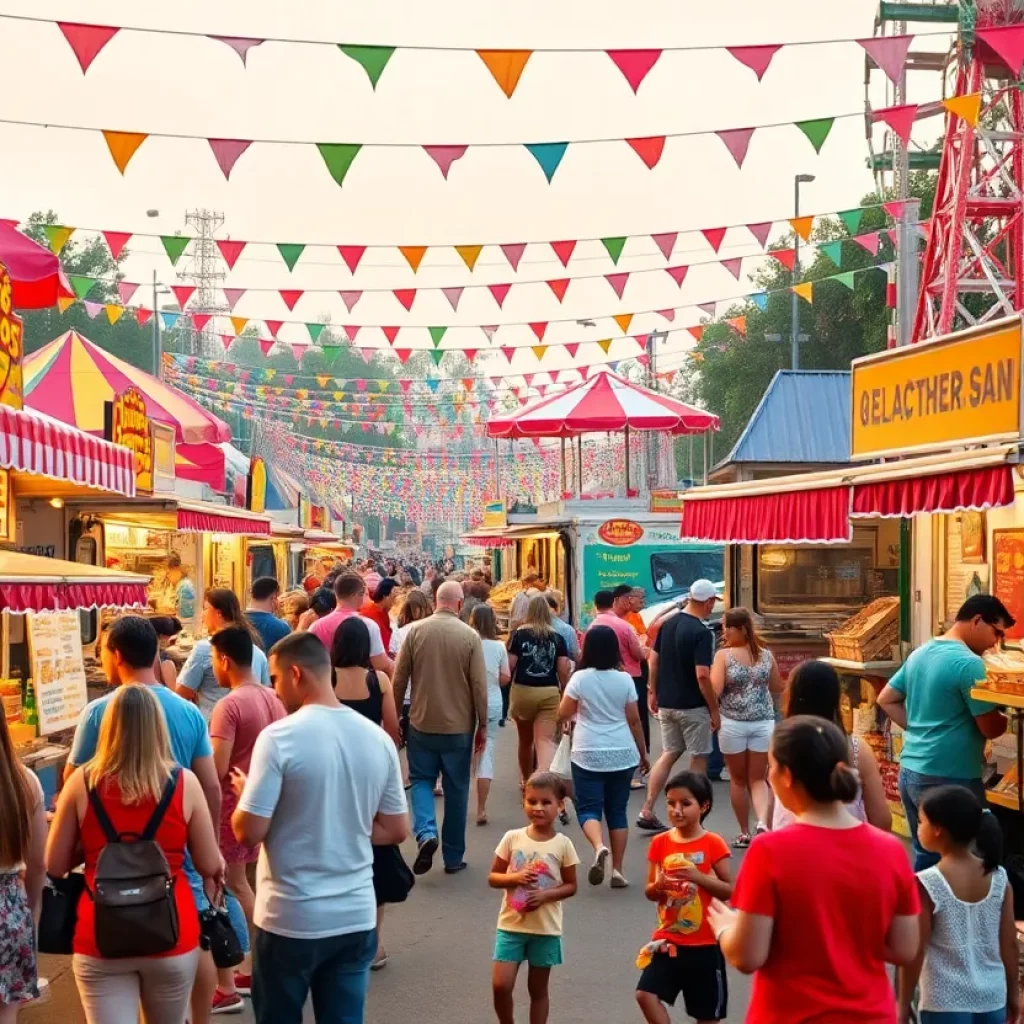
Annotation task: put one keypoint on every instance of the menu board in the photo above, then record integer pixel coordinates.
(1008, 575)
(58, 673)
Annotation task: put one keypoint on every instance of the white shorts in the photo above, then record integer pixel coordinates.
(736, 737)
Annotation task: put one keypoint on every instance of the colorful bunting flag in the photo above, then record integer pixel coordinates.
(227, 151)
(413, 255)
(350, 299)
(125, 291)
(505, 66)
(122, 146)
(232, 295)
(563, 250)
(805, 290)
(737, 141)
(238, 324)
(391, 333)
(649, 149)
(605, 345)
(315, 330)
(834, 251)
(437, 355)
(200, 320)
(889, 53)
(845, 279)
(618, 282)
(372, 59)
(290, 253)
(559, 287)
(623, 320)
(851, 218)
(182, 293)
(761, 232)
(539, 330)
(57, 236)
(538, 351)
(445, 156)
(666, 243)
(240, 44)
(338, 156)
(548, 155)
(614, 247)
(170, 320)
(678, 274)
(899, 119)
(142, 316)
(406, 296)
(116, 241)
(757, 58)
(787, 257)
(513, 252)
(113, 312)
(498, 292)
(760, 299)
(86, 41)
(738, 324)
(803, 226)
(868, 241)
(734, 266)
(436, 334)
(817, 130)
(81, 286)
(469, 254)
(230, 251)
(634, 64)
(714, 237)
(1007, 42)
(290, 296)
(453, 295)
(174, 246)
(968, 107)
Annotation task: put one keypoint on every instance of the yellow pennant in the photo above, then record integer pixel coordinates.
(605, 345)
(58, 236)
(968, 107)
(805, 291)
(302, 394)
(122, 146)
(238, 323)
(339, 396)
(64, 302)
(270, 374)
(623, 320)
(802, 226)
(539, 350)
(697, 357)
(113, 313)
(323, 380)
(382, 385)
(470, 254)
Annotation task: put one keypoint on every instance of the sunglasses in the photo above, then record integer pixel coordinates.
(998, 630)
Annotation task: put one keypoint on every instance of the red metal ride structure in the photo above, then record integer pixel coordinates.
(973, 266)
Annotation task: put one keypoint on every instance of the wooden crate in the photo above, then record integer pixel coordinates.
(870, 634)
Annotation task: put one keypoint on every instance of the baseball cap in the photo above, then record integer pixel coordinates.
(702, 590)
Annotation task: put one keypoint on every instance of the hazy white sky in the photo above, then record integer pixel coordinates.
(146, 82)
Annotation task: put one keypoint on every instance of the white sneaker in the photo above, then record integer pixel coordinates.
(596, 874)
(725, 775)
(619, 880)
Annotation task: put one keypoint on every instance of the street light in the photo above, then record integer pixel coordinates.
(800, 179)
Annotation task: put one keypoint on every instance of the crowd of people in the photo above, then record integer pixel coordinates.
(211, 786)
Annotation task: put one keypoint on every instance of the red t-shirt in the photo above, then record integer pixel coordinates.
(832, 895)
(375, 613)
(683, 918)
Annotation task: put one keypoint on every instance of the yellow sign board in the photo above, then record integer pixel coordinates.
(6, 508)
(10, 344)
(257, 496)
(128, 425)
(494, 514)
(965, 387)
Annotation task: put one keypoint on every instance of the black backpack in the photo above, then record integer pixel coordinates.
(133, 891)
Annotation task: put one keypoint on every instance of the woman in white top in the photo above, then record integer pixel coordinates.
(967, 966)
(607, 746)
(416, 607)
(481, 618)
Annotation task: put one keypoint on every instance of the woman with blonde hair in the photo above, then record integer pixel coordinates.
(744, 676)
(22, 842)
(294, 604)
(538, 661)
(129, 779)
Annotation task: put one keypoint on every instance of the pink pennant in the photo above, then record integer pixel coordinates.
(351, 332)
(490, 332)
(200, 320)
(230, 251)
(889, 53)
(714, 236)
(895, 209)
(737, 140)
(367, 354)
(352, 254)
(298, 351)
(891, 234)
(563, 250)
(668, 314)
(406, 296)
(513, 252)
(240, 45)
(142, 316)
(453, 295)
(274, 326)
(232, 295)
(678, 274)
(559, 287)
(445, 156)
(350, 299)
(86, 40)
(390, 333)
(649, 149)
(618, 282)
(93, 309)
(125, 291)
(539, 329)
(868, 241)
(290, 296)
(529, 378)
(499, 291)
(634, 64)
(508, 352)
(899, 119)
(734, 266)
(761, 232)
(787, 257)
(645, 359)
(227, 151)
(116, 241)
(226, 340)
(666, 243)
(182, 293)
(405, 385)
(757, 58)
(1007, 42)
(572, 349)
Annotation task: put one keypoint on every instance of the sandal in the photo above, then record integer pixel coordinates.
(741, 842)
(481, 819)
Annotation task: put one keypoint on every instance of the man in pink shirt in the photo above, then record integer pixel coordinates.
(350, 590)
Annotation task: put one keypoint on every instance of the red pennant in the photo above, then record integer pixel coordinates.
(142, 316)
(697, 331)
(734, 266)
(352, 254)
(230, 250)
(201, 320)
(634, 64)
(290, 297)
(539, 329)
(86, 40)
(508, 352)
(737, 141)
(868, 241)
(618, 282)
(226, 340)
(559, 287)
(116, 241)
(649, 149)
(227, 151)
(757, 58)
(895, 209)
(714, 237)
(182, 293)
(563, 250)
(513, 252)
(390, 333)
(403, 355)
(899, 119)
(678, 274)
(350, 299)
(1007, 42)
(666, 243)
(351, 332)
(470, 353)
(572, 349)
(787, 257)
(761, 232)
(499, 291)
(274, 326)
(406, 296)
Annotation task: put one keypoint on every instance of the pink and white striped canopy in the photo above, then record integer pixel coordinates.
(604, 402)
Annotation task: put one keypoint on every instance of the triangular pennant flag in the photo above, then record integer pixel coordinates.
(113, 312)
(290, 296)
(707, 307)
(174, 246)
(240, 44)
(817, 130)
(614, 247)
(230, 251)
(605, 345)
(678, 274)
(805, 290)
(623, 320)
(470, 354)
(868, 241)
(86, 41)
(351, 332)
(508, 352)
(761, 232)
(666, 243)
(116, 241)
(513, 252)
(667, 314)
(57, 236)
(899, 119)
(298, 351)
(338, 156)
(445, 156)
(391, 333)
(738, 324)
(498, 292)
(559, 287)
(757, 58)
(265, 345)
(125, 291)
(737, 140)
(406, 296)
(968, 107)
(238, 324)
(834, 251)
(352, 254)
(734, 266)
(714, 237)
(330, 354)
(290, 253)
(169, 319)
(226, 340)
(200, 320)
(852, 219)
(649, 149)
(802, 226)
(413, 255)
(760, 299)
(548, 155)
(122, 146)
(889, 54)
(895, 209)
(845, 279)
(232, 295)
(634, 64)
(1007, 42)
(572, 349)
(563, 250)
(506, 67)
(142, 316)
(81, 285)
(182, 293)
(350, 299)
(403, 354)
(226, 152)
(372, 59)
(618, 282)
(469, 254)
(315, 330)
(436, 334)
(437, 355)
(539, 330)
(489, 332)
(453, 295)
(538, 351)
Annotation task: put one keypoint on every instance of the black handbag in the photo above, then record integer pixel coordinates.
(217, 935)
(392, 879)
(60, 913)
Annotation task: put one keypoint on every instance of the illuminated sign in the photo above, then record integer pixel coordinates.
(620, 532)
(666, 501)
(128, 425)
(11, 348)
(962, 388)
(494, 514)
(256, 499)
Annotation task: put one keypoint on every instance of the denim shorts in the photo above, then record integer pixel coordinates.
(602, 793)
(536, 950)
(962, 1017)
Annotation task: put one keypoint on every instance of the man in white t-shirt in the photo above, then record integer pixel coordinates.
(324, 787)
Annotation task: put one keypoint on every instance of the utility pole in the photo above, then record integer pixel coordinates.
(654, 446)
(204, 271)
(800, 179)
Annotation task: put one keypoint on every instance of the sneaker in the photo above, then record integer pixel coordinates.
(425, 857)
(761, 830)
(379, 962)
(223, 1003)
(650, 823)
(724, 777)
(243, 984)
(596, 874)
(619, 880)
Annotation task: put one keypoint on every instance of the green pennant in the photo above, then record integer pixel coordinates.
(614, 247)
(174, 246)
(372, 59)
(437, 355)
(851, 218)
(330, 354)
(290, 253)
(816, 130)
(834, 251)
(339, 156)
(436, 334)
(845, 279)
(81, 285)
(315, 330)
(57, 236)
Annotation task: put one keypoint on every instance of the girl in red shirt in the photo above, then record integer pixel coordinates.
(822, 906)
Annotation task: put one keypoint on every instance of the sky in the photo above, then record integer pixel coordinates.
(198, 86)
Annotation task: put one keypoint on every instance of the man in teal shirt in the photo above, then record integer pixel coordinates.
(945, 728)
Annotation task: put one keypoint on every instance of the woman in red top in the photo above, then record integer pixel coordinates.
(129, 773)
(824, 904)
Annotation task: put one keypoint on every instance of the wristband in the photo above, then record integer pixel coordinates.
(722, 931)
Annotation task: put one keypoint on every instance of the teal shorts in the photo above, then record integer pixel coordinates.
(536, 950)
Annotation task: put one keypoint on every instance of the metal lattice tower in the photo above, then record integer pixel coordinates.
(973, 269)
(204, 270)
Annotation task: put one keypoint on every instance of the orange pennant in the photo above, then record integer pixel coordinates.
(238, 323)
(413, 255)
(605, 345)
(64, 302)
(738, 324)
(469, 253)
(805, 291)
(122, 146)
(968, 107)
(538, 350)
(506, 66)
(802, 226)
(623, 320)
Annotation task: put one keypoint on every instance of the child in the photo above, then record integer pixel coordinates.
(536, 866)
(968, 942)
(688, 866)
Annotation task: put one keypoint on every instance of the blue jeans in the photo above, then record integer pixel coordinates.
(451, 756)
(913, 787)
(235, 913)
(604, 793)
(946, 1017)
(334, 970)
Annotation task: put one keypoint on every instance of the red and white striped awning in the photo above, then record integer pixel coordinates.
(29, 583)
(200, 517)
(31, 442)
(603, 402)
(482, 539)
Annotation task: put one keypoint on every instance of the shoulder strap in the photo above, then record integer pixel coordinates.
(373, 683)
(107, 826)
(161, 808)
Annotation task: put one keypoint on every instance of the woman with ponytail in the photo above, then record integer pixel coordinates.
(967, 966)
(822, 906)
